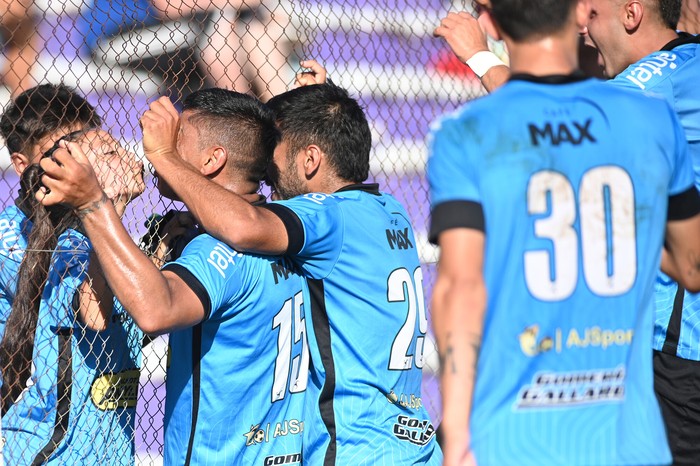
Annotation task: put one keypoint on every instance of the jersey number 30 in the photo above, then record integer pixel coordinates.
(606, 233)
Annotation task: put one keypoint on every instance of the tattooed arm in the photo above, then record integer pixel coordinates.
(458, 307)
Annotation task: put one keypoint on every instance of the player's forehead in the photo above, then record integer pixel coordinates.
(188, 122)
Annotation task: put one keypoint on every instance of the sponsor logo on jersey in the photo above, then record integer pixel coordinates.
(405, 400)
(531, 344)
(294, 458)
(279, 270)
(399, 239)
(656, 64)
(554, 134)
(115, 390)
(563, 389)
(221, 257)
(9, 239)
(415, 431)
(316, 198)
(264, 433)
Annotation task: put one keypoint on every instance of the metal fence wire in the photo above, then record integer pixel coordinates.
(66, 384)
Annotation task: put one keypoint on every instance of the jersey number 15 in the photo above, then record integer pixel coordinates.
(292, 371)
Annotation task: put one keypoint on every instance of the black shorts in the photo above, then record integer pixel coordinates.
(677, 386)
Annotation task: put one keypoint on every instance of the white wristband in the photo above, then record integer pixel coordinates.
(482, 62)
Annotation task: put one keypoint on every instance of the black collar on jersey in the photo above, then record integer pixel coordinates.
(683, 38)
(574, 77)
(372, 188)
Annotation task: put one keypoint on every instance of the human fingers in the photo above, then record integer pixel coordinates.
(316, 74)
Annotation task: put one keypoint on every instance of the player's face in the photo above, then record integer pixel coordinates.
(606, 32)
(119, 171)
(285, 175)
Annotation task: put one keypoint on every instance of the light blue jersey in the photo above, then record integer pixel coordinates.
(571, 188)
(368, 324)
(235, 382)
(79, 406)
(673, 73)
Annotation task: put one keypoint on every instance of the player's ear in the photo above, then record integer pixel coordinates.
(20, 162)
(583, 14)
(632, 14)
(214, 161)
(488, 25)
(313, 156)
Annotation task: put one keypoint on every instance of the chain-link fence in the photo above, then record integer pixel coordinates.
(121, 54)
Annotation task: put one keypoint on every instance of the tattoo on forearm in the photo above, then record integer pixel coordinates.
(448, 359)
(84, 212)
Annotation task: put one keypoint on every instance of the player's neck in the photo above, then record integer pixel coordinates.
(552, 55)
(248, 190)
(651, 41)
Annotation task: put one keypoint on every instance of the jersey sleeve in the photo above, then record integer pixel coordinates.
(212, 270)
(454, 189)
(684, 200)
(315, 227)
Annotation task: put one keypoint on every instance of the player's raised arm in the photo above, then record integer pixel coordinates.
(223, 214)
(458, 307)
(467, 38)
(158, 302)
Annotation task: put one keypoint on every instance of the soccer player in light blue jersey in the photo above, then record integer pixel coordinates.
(70, 359)
(639, 46)
(550, 204)
(365, 316)
(645, 53)
(239, 358)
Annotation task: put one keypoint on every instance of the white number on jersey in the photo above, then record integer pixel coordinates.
(292, 330)
(607, 233)
(401, 287)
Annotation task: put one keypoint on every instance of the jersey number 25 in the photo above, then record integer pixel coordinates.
(402, 287)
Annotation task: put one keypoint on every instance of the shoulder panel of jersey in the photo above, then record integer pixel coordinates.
(320, 231)
(652, 71)
(212, 270)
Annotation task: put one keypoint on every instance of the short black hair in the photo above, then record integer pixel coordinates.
(238, 122)
(325, 115)
(525, 19)
(41, 110)
(670, 12)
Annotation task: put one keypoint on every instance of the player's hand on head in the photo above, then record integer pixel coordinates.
(463, 34)
(160, 124)
(69, 178)
(316, 74)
